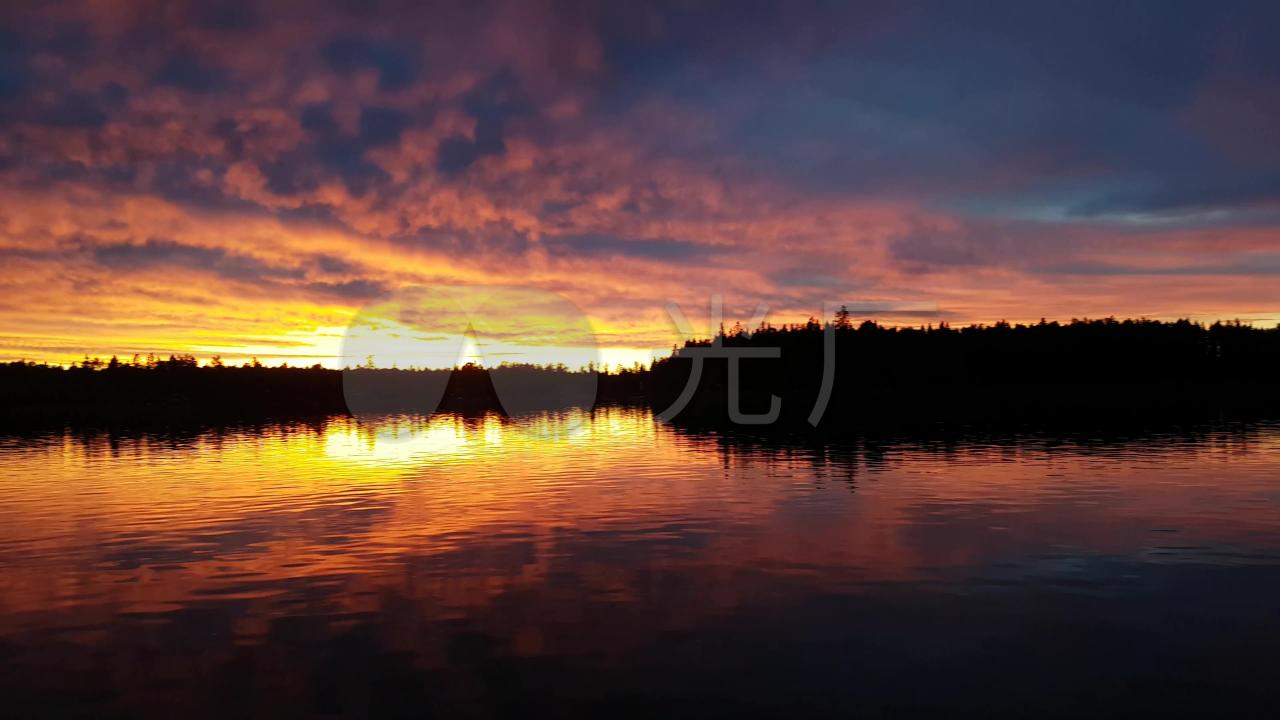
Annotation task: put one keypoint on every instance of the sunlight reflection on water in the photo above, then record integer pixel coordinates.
(146, 573)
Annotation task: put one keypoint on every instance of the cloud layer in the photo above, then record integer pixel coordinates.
(242, 177)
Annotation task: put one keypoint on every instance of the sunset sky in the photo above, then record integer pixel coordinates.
(242, 179)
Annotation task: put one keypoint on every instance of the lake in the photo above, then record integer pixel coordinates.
(607, 564)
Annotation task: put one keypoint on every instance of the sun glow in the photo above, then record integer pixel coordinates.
(405, 347)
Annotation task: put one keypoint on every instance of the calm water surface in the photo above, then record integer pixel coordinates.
(608, 565)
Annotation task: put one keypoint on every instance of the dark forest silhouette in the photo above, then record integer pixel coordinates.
(152, 390)
(1049, 370)
(1103, 368)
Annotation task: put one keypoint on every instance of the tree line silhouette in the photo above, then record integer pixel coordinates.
(882, 374)
(1103, 368)
(152, 390)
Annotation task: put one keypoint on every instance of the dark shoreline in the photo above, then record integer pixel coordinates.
(1081, 374)
(1084, 416)
(181, 394)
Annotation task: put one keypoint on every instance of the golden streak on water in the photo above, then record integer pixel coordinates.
(574, 544)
